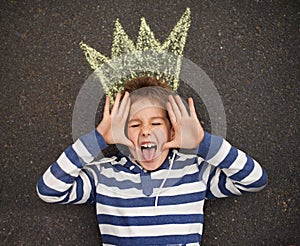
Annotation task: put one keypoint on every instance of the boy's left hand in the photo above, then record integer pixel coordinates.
(187, 128)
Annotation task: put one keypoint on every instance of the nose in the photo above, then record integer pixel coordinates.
(146, 131)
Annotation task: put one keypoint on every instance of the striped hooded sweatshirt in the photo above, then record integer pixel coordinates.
(138, 207)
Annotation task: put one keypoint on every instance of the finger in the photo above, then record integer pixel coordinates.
(175, 107)
(126, 111)
(106, 106)
(171, 113)
(124, 102)
(181, 106)
(116, 103)
(192, 108)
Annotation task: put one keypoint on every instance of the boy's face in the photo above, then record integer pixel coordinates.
(149, 129)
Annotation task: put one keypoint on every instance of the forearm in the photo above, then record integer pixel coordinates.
(234, 171)
(65, 181)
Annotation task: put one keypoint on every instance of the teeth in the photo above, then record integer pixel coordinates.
(148, 146)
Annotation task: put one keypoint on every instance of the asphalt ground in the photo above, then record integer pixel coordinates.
(249, 49)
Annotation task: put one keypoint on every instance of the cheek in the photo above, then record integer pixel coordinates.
(163, 134)
(132, 135)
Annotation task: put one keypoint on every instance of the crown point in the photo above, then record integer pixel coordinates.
(121, 43)
(94, 58)
(146, 39)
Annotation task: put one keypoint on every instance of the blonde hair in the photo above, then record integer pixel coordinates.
(155, 90)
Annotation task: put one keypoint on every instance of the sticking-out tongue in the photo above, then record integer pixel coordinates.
(148, 153)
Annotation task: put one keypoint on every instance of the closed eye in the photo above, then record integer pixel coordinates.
(134, 125)
(156, 124)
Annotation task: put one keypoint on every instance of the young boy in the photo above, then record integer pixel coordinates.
(155, 195)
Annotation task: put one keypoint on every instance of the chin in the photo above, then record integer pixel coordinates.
(150, 166)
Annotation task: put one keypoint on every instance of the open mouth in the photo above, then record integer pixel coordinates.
(148, 151)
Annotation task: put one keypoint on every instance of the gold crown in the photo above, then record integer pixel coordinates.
(148, 57)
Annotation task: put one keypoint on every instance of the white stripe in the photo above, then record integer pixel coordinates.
(92, 172)
(253, 176)
(176, 173)
(116, 192)
(135, 178)
(50, 199)
(231, 187)
(86, 188)
(82, 151)
(214, 185)
(237, 165)
(72, 193)
(184, 157)
(183, 189)
(187, 208)
(151, 230)
(121, 176)
(188, 188)
(54, 183)
(221, 154)
(67, 166)
(206, 173)
(255, 189)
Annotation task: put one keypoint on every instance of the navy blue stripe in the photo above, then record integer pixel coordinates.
(117, 168)
(210, 146)
(73, 157)
(79, 189)
(247, 169)
(209, 194)
(229, 159)
(186, 179)
(259, 183)
(262, 181)
(179, 164)
(222, 187)
(93, 190)
(158, 240)
(47, 191)
(112, 182)
(150, 220)
(149, 201)
(204, 146)
(60, 174)
(94, 142)
(202, 168)
(170, 182)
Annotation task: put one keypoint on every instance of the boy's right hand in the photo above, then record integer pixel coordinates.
(112, 125)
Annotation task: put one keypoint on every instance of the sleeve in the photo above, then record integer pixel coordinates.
(67, 180)
(232, 172)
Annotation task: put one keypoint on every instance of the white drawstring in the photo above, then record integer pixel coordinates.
(171, 162)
